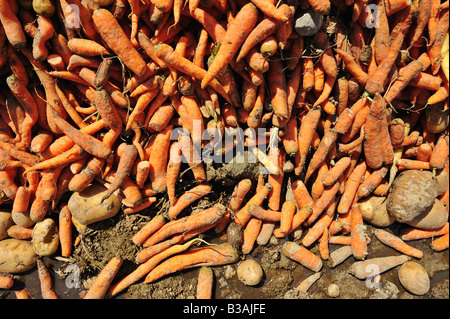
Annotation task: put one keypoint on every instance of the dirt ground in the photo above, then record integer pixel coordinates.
(103, 240)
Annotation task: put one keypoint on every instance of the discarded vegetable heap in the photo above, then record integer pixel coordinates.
(111, 100)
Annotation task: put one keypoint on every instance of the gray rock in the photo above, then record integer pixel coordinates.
(308, 22)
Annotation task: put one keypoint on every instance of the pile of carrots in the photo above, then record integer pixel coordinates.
(99, 101)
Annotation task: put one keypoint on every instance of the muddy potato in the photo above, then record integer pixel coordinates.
(373, 210)
(436, 118)
(414, 278)
(5, 222)
(434, 218)
(45, 237)
(250, 272)
(87, 206)
(16, 256)
(412, 193)
(441, 179)
(22, 219)
(45, 8)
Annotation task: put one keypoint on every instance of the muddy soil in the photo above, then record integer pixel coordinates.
(103, 240)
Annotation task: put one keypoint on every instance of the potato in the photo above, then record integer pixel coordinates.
(22, 219)
(441, 179)
(412, 193)
(434, 218)
(250, 272)
(16, 256)
(5, 222)
(45, 8)
(87, 206)
(414, 278)
(436, 118)
(45, 237)
(373, 210)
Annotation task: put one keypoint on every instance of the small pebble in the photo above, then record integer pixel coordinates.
(333, 291)
(308, 23)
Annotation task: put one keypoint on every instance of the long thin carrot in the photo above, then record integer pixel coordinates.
(396, 243)
(250, 234)
(243, 216)
(441, 243)
(88, 143)
(235, 35)
(307, 128)
(358, 233)
(206, 217)
(214, 255)
(11, 25)
(104, 279)
(114, 36)
(351, 187)
(46, 282)
(187, 199)
(205, 283)
(168, 55)
(146, 267)
(238, 195)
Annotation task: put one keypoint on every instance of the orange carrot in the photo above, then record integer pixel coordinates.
(328, 140)
(205, 217)
(440, 95)
(327, 197)
(441, 243)
(238, 195)
(214, 255)
(302, 255)
(104, 279)
(439, 156)
(243, 216)
(288, 211)
(235, 35)
(126, 161)
(44, 32)
(404, 163)
(353, 67)
(205, 283)
(11, 25)
(149, 228)
(6, 282)
(65, 231)
(114, 36)
(20, 232)
(377, 145)
(258, 212)
(301, 194)
(434, 51)
(370, 183)
(45, 280)
(146, 267)
(358, 235)
(376, 83)
(188, 198)
(21, 200)
(395, 242)
(173, 59)
(278, 157)
(158, 164)
(270, 10)
(323, 244)
(336, 171)
(351, 187)
(411, 233)
(307, 128)
(191, 154)
(250, 233)
(86, 47)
